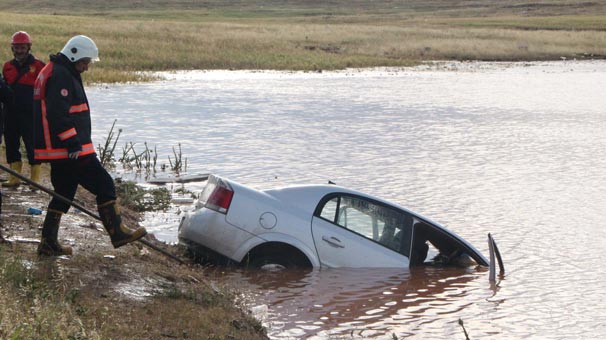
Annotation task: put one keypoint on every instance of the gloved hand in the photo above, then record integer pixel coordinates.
(73, 155)
(73, 147)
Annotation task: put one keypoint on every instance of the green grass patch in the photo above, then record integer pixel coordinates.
(33, 307)
(141, 199)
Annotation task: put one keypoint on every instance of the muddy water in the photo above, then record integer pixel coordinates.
(518, 150)
(363, 303)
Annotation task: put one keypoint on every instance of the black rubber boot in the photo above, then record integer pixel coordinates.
(49, 245)
(118, 232)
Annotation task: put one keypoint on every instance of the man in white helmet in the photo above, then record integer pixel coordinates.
(63, 138)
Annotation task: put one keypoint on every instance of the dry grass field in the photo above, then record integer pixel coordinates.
(158, 35)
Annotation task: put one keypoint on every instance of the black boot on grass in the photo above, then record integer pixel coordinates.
(49, 245)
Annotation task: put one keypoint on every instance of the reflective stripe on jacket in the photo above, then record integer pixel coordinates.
(61, 112)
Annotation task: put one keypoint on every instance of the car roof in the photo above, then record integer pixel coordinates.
(307, 198)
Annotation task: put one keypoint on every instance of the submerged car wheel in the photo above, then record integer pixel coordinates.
(271, 263)
(276, 256)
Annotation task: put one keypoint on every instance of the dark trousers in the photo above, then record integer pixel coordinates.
(86, 171)
(1, 122)
(18, 125)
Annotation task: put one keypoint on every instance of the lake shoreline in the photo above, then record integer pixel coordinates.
(103, 293)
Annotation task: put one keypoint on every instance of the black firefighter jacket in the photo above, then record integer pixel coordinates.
(61, 114)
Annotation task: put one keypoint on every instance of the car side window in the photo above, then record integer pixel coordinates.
(330, 209)
(356, 214)
(390, 227)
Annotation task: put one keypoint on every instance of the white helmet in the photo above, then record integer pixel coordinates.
(79, 47)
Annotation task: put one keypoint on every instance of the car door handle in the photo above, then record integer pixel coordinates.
(333, 241)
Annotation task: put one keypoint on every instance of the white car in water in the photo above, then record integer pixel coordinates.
(315, 226)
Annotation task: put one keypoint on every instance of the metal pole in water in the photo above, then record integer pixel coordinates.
(494, 252)
(498, 255)
(492, 271)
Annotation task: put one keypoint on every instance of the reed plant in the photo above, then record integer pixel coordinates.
(106, 151)
(137, 37)
(145, 160)
(179, 164)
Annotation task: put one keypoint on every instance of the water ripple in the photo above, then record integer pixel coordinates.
(517, 150)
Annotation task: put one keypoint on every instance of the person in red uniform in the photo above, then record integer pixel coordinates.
(62, 136)
(20, 73)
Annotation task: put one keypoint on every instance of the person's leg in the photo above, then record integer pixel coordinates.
(95, 179)
(27, 133)
(64, 180)
(49, 244)
(12, 138)
(3, 179)
(35, 172)
(64, 177)
(1, 238)
(0, 212)
(1, 122)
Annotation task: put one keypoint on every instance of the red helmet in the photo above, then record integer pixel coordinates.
(21, 38)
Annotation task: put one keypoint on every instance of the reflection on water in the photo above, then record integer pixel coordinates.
(518, 150)
(367, 302)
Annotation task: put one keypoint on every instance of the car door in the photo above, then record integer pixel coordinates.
(353, 231)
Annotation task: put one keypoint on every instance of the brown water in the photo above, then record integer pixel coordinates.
(518, 150)
(367, 303)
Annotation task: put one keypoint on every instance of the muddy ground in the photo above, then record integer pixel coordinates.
(132, 292)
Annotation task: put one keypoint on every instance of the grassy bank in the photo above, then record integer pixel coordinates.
(101, 292)
(92, 297)
(307, 35)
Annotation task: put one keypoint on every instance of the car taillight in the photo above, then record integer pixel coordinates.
(220, 198)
